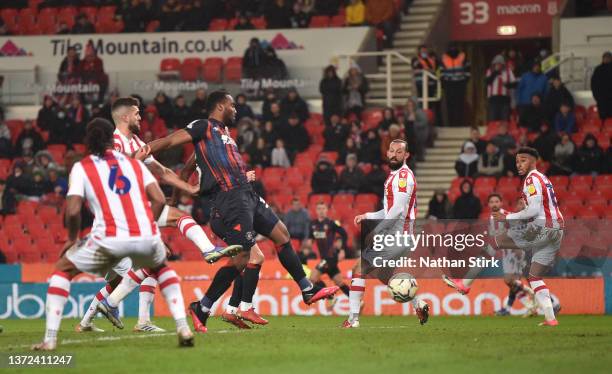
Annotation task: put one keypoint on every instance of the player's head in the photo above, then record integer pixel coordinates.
(220, 106)
(526, 159)
(495, 202)
(99, 136)
(321, 210)
(397, 153)
(125, 112)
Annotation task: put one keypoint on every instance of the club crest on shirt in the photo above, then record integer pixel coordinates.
(531, 189)
(403, 182)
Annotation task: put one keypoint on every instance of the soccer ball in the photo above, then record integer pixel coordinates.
(402, 287)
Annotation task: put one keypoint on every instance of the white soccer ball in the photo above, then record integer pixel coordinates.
(402, 287)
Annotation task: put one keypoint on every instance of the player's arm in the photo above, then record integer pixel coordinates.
(74, 204)
(154, 192)
(175, 139)
(534, 201)
(167, 176)
(342, 232)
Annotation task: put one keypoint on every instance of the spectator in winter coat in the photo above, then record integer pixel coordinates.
(253, 60)
(198, 106)
(152, 122)
(335, 134)
(545, 142)
(480, 144)
(416, 118)
(243, 110)
(330, 88)
(259, 154)
(370, 148)
(589, 157)
(467, 206)
(388, 119)
(531, 83)
(180, 113)
(297, 220)
(349, 148)
(467, 163)
(355, 87)
(557, 95)
(8, 203)
(69, 68)
(565, 120)
(293, 103)
(279, 155)
(164, 107)
(324, 178)
(440, 206)
(29, 141)
(533, 115)
(278, 15)
(601, 81)
(563, 157)
(294, 135)
(503, 140)
(491, 163)
(351, 178)
(500, 80)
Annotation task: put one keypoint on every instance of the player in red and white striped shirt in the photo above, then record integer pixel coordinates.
(126, 116)
(543, 232)
(126, 201)
(399, 205)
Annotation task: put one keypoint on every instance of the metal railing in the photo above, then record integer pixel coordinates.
(388, 75)
(575, 70)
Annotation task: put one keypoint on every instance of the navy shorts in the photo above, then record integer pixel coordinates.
(239, 215)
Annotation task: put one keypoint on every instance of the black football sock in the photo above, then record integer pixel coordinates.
(234, 301)
(291, 262)
(320, 284)
(249, 284)
(221, 282)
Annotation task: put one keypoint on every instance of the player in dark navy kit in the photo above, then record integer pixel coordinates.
(238, 213)
(331, 240)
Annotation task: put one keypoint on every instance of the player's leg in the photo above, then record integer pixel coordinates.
(86, 324)
(513, 282)
(57, 295)
(146, 296)
(541, 292)
(267, 223)
(246, 311)
(229, 314)
(356, 291)
(190, 229)
(339, 281)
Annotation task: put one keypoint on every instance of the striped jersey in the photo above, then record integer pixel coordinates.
(217, 156)
(114, 186)
(400, 192)
(498, 86)
(122, 144)
(537, 184)
(497, 227)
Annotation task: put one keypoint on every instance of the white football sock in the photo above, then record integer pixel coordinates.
(190, 229)
(91, 312)
(57, 294)
(542, 296)
(132, 279)
(171, 290)
(230, 309)
(145, 299)
(245, 306)
(355, 295)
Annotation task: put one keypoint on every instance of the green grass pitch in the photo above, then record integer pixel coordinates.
(317, 345)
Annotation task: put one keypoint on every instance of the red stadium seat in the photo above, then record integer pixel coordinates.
(329, 156)
(344, 199)
(259, 23)
(169, 68)
(49, 214)
(106, 13)
(218, 24)
(485, 182)
(559, 181)
(274, 172)
(366, 198)
(67, 15)
(152, 26)
(212, 69)
(603, 140)
(585, 180)
(233, 69)
(600, 180)
(316, 198)
(338, 21)
(371, 118)
(9, 16)
(507, 182)
(592, 112)
(319, 21)
(190, 69)
(90, 12)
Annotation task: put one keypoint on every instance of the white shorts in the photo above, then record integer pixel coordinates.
(91, 256)
(544, 242)
(514, 261)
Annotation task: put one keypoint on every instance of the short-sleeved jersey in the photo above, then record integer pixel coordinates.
(401, 187)
(537, 184)
(122, 144)
(217, 156)
(114, 186)
(324, 233)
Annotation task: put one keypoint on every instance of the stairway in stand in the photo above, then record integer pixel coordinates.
(438, 169)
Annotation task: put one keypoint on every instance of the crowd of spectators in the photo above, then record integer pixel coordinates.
(197, 15)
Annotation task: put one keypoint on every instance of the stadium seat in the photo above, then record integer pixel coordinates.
(259, 23)
(9, 16)
(106, 13)
(190, 69)
(330, 156)
(49, 215)
(233, 69)
(603, 140)
(90, 12)
(600, 180)
(274, 172)
(169, 68)
(152, 26)
(316, 198)
(67, 15)
(485, 182)
(507, 182)
(344, 199)
(559, 181)
(211, 71)
(592, 112)
(338, 21)
(319, 21)
(585, 180)
(218, 24)
(371, 118)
